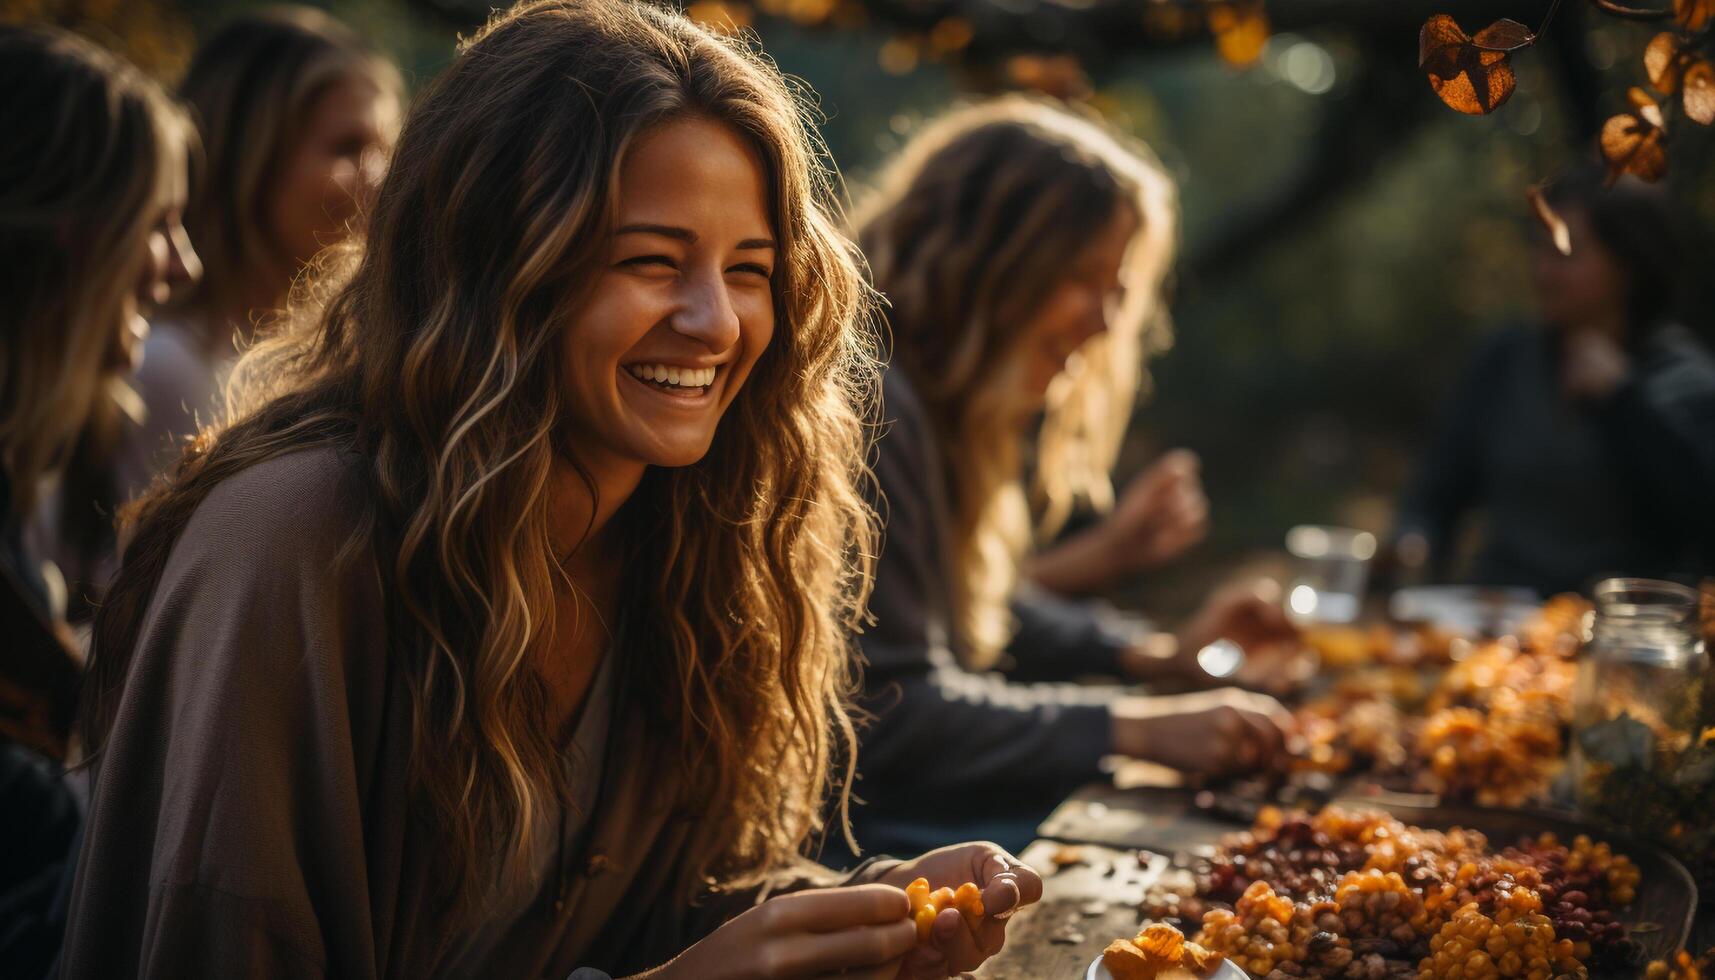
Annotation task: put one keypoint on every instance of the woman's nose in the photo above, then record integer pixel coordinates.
(707, 314)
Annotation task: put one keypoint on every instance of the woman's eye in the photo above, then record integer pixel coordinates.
(661, 261)
(754, 269)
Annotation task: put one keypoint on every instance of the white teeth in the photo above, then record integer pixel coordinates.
(680, 377)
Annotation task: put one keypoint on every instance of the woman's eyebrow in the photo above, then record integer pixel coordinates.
(688, 236)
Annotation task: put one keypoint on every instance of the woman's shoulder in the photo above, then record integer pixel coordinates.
(303, 505)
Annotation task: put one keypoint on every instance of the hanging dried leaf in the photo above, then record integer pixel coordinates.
(1504, 35)
(1664, 62)
(1472, 78)
(1241, 31)
(1693, 15)
(1551, 220)
(1699, 84)
(1632, 142)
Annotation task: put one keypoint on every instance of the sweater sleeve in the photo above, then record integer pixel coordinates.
(1057, 638)
(1449, 475)
(1660, 428)
(226, 825)
(935, 723)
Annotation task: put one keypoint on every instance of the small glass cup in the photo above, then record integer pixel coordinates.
(1332, 568)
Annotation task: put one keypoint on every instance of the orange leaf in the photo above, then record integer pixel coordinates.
(1693, 14)
(1664, 62)
(1241, 31)
(1504, 35)
(1558, 232)
(1469, 78)
(1632, 142)
(1700, 92)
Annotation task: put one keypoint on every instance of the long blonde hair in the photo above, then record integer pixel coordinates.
(436, 358)
(93, 152)
(251, 86)
(967, 232)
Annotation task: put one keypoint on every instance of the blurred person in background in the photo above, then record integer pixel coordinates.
(1021, 251)
(92, 183)
(505, 626)
(1586, 442)
(297, 116)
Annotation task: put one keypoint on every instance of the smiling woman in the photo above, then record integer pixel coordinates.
(504, 630)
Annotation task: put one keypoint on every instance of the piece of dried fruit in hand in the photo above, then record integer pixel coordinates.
(1632, 142)
(1472, 75)
(1551, 220)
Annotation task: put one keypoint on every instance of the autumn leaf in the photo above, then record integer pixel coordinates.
(1551, 220)
(1241, 31)
(1471, 74)
(1699, 95)
(1675, 69)
(1693, 14)
(1632, 142)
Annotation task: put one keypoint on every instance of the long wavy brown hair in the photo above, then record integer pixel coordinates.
(967, 232)
(435, 355)
(93, 152)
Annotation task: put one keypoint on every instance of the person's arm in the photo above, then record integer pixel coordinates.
(1161, 513)
(226, 831)
(1060, 639)
(935, 722)
(1449, 473)
(1658, 421)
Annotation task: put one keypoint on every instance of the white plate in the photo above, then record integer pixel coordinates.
(1227, 971)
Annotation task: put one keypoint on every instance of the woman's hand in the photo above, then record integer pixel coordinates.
(1249, 615)
(859, 932)
(1161, 513)
(1007, 885)
(1210, 733)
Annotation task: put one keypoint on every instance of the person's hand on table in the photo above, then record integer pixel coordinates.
(861, 932)
(1209, 733)
(1007, 885)
(1271, 656)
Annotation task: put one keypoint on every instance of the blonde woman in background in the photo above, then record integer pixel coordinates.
(505, 630)
(297, 115)
(1021, 250)
(92, 181)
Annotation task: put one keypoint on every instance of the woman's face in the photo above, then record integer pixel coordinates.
(1077, 308)
(334, 167)
(683, 304)
(1587, 286)
(169, 263)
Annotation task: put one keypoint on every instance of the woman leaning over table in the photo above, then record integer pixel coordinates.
(1021, 250)
(504, 629)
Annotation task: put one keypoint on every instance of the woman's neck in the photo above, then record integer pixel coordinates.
(582, 499)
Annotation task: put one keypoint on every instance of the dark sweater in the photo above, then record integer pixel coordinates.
(1573, 490)
(947, 741)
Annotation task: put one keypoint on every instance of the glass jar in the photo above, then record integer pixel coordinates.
(1638, 706)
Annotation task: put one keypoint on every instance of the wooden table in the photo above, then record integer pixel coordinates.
(1084, 907)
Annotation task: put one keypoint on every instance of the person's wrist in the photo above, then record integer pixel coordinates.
(1131, 736)
(1151, 656)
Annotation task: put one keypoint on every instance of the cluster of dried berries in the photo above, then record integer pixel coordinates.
(1355, 894)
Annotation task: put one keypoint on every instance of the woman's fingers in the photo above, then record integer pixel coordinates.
(835, 909)
(956, 942)
(808, 954)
